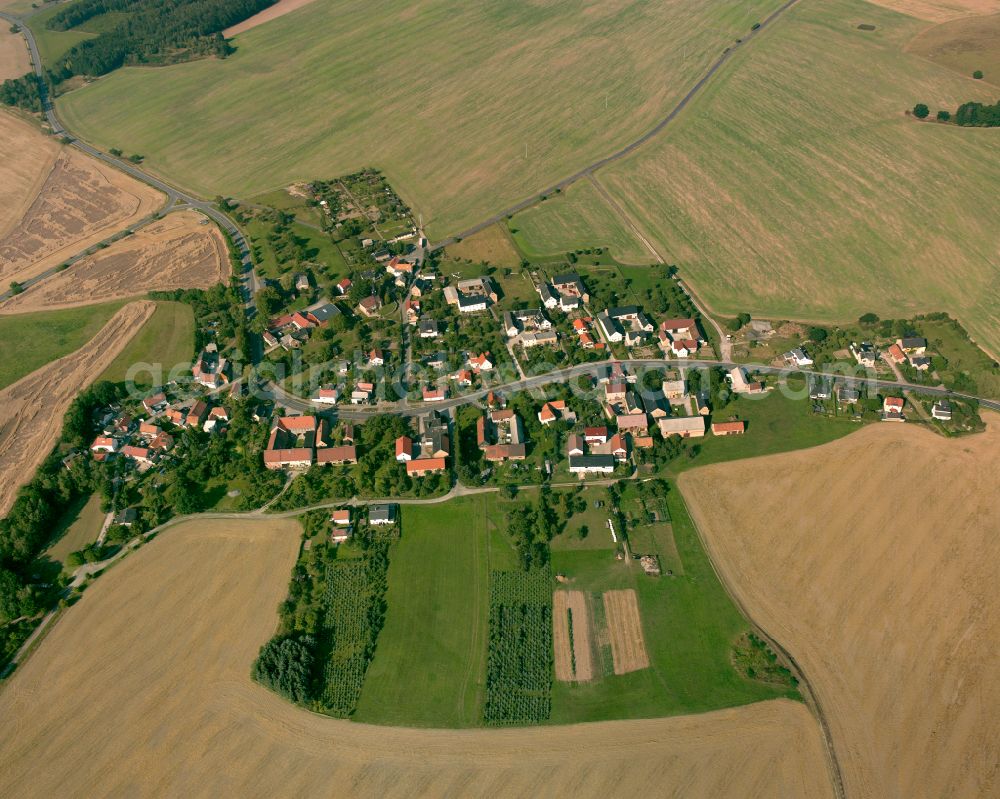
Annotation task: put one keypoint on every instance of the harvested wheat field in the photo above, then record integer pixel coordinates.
(873, 560)
(14, 61)
(628, 647)
(940, 10)
(26, 157)
(279, 9)
(81, 202)
(183, 250)
(491, 246)
(147, 691)
(963, 46)
(32, 409)
(574, 659)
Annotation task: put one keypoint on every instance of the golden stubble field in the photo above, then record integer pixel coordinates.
(182, 250)
(58, 201)
(873, 560)
(143, 689)
(14, 61)
(32, 409)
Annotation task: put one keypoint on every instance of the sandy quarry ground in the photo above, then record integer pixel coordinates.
(941, 10)
(143, 689)
(32, 409)
(628, 647)
(81, 202)
(14, 61)
(182, 250)
(26, 157)
(580, 653)
(279, 9)
(873, 561)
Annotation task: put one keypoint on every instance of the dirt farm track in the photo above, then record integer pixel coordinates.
(143, 689)
(873, 560)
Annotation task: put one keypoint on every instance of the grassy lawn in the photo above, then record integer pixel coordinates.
(429, 665)
(490, 129)
(774, 423)
(689, 625)
(492, 246)
(79, 526)
(45, 336)
(963, 356)
(166, 339)
(578, 218)
(796, 188)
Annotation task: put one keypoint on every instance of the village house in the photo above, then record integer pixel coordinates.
(728, 428)
(544, 337)
(104, 444)
(209, 369)
(379, 515)
(896, 354)
(421, 466)
(571, 290)
(472, 295)
(680, 328)
(370, 306)
(327, 395)
(197, 414)
(591, 464)
(941, 410)
(516, 322)
(575, 444)
(362, 393)
(920, 362)
(892, 409)
(683, 426)
(434, 394)
(797, 357)
(216, 416)
(155, 403)
(463, 377)
(634, 423)
(865, 354)
(554, 410)
(740, 382)
(342, 455)
(673, 389)
(428, 328)
(141, 455)
(404, 449)
(820, 388)
(913, 344)
(291, 443)
(344, 286)
(595, 435)
(481, 362)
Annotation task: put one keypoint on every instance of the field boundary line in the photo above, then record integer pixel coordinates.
(808, 694)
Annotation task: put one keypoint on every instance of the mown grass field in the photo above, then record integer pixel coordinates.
(79, 526)
(578, 218)
(466, 107)
(429, 665)
(53, 44)
(689, 625)
(795, 186)
(29, 341)
(167, 340)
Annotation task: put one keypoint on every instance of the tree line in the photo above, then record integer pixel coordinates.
(150, 32)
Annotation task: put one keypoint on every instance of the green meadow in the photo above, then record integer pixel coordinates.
(795, 186)
(466, 107)
(167, 338)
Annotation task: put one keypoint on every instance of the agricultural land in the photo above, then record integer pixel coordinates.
(963, 45)
(181, 251)
(800, 164)
(302, 75)
(888, 606)
(77, 203)
(33, 407)
(279, 9)
(127, 665)
(14, 61)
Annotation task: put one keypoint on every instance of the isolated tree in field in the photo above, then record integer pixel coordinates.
(978, 74)
(920, 111)
(943, 116)
(868, 319)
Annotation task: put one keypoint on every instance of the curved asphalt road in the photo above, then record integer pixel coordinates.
(174, 195)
